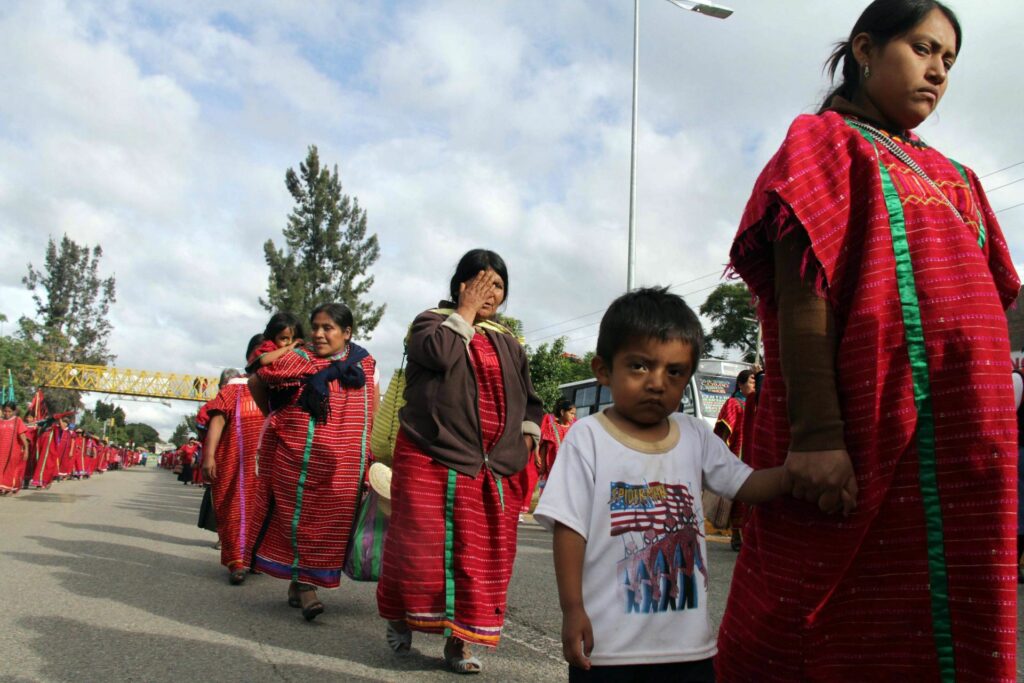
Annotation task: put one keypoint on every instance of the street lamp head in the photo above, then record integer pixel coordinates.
(708, 8)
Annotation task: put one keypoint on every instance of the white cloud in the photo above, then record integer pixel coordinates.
(162, 131)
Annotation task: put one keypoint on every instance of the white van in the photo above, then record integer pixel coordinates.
(709, 388)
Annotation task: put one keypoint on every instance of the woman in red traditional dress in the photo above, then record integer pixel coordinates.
(13, 449)
(320, 458)
(729, 429)
(50, 447)
(229, 464)
(881, 276)
(552, 430)
(470, 421)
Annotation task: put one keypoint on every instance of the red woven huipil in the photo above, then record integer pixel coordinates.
(918, 583)
(234, 489)
(12, 461)
(451, 541)
(315, 480)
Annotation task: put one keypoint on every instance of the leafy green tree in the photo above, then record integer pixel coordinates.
(20, 356)
(733, 319)
(72, 307)
(327, 250)
(185, 429)
(141, 434)
(551, 366)
(106, 411)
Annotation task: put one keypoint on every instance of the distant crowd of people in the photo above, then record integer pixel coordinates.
(36, 452)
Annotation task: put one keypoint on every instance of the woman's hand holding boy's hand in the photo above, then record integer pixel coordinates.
(825, 478)
(577, 637)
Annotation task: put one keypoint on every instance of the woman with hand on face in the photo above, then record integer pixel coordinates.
(321, 448)
(470, 421)
(881, 276)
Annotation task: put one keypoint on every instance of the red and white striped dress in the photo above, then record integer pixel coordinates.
(451, 540)
(316, 476)
(235, 487)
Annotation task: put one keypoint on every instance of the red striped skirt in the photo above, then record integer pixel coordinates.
(449, 549)
(314, 503)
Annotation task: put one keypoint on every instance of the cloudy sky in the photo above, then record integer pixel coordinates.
(162, 131)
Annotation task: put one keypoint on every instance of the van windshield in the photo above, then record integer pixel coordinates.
(714, 391)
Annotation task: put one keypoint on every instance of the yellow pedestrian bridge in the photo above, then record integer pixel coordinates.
(126, 382)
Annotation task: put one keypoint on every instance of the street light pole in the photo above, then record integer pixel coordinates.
(631, 262)
(706, 8)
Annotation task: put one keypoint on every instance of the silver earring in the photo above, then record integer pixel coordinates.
(867, 72)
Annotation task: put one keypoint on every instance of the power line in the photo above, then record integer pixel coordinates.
(587, 315)
(1005, 168)
(1012, 182)
(1007, 208)
(583, 327)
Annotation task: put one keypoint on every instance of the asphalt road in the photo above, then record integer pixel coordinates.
(109, 579)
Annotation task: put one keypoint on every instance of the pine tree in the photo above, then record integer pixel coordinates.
(327, 251)
(72, 304)
(72, 308)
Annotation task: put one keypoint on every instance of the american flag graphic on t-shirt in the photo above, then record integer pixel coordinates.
(662, 508)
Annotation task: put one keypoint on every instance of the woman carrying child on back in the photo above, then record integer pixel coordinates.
(624, 501)
(320, 455)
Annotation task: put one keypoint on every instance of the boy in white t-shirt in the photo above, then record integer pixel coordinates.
(624, 501)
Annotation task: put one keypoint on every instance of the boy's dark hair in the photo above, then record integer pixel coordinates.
(645, 313)
(12, 405)
(281, 321)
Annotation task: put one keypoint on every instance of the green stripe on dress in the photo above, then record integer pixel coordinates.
(449, 552)
(298, 498)
(925, 434)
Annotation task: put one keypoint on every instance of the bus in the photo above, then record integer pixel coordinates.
(709, 388)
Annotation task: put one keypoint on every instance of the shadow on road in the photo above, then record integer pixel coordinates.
(159, 504)
(195, 592)
(140, 533)
(143, 656)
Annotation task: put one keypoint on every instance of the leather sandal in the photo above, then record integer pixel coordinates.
(313, 609)
(293, 595)
(456, 663)
(236, 577)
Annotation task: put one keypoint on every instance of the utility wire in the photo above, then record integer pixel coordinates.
(1005, 168)
(583, 327)
(1012, 182)
(1007, 208)
(587, 315)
